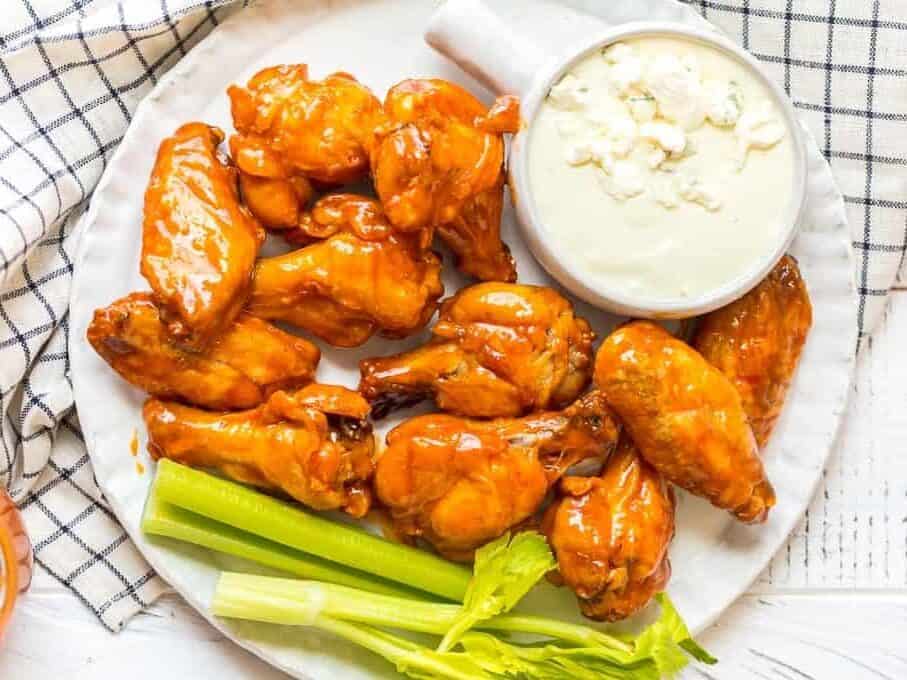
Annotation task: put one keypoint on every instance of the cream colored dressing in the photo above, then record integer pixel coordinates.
(662, 167)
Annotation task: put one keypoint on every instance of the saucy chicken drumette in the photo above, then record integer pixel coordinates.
(314, 445)
(363, 278)
(757, 341)
(685, 417)
(199, 243)
(610, 535)
(459, 483)
(239, 368)
(291, 129)
(499, 349)
(438, 163)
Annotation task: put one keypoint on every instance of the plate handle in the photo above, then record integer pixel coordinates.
(476, 39)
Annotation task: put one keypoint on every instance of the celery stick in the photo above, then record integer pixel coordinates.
(236, 601)
(259, 514)
(286, 598)
(163, 519)
(660, 651)
(409, 658)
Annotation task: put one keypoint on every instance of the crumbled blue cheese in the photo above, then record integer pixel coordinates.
(602, 145)
(653, 155)
(670, 189)
(757, 128)
(588, 150)
(641, 149)
(570, 94)
(691, 188)
(626, 67)
(622, 132)
(724, 102)
(625, 180)
(669, 137)
(642, 107)
(677, 88)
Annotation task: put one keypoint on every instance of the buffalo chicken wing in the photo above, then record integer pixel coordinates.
(438, 162)
(199, 243)
(685, 417)
(611, 533)
(238, 370)
(474, 236)
(362, 279)
(499, 349)
(757, 340)
(314, 445)
(276, 201)
(288, 124)
(334, 213)
(291, 129)
(460, 483)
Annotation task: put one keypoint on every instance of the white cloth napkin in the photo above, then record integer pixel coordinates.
(72, 72)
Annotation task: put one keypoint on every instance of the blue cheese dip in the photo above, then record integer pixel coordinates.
(662, 167)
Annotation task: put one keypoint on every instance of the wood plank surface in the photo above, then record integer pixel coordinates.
(855, 532)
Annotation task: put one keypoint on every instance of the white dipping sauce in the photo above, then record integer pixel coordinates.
(662, 167)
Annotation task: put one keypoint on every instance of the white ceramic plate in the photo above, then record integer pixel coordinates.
(380, 41)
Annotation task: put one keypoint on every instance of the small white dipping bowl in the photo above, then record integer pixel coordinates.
(476, 39)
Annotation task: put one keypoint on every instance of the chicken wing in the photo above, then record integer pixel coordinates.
(499, 349)
(757, 340)
(291, 129)
(611, 533)
(359, 215)
(685, 417)
(278, 202)
(460, 483)
(239, 369)
(199, 243)
(346, 288)
(474, 236)
(438, 162)
(315, 445)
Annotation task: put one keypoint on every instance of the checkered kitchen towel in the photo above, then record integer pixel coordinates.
(72, 72)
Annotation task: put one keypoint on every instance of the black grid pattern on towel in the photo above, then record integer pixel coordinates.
(71, 74)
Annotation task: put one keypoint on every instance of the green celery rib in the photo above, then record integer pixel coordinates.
(409, 658)
(238, 506)
(163, 519)
(235, 601)
(287, 599)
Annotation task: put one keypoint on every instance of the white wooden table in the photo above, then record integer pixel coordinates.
(832, 605)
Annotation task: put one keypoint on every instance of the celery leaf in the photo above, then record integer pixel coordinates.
(504, 571)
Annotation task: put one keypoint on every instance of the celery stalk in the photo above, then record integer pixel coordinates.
(409, 658)
(234, 600)
(287, 598)
(163, 519)
(238, 506)
(660, 651)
